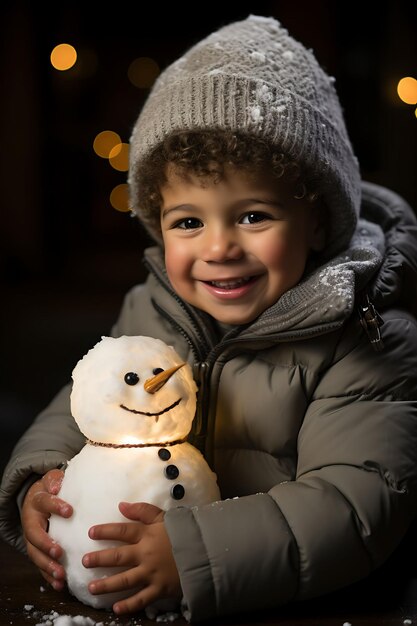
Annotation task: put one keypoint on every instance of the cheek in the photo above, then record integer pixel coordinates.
(274, 250)
(177, 261)
(285, 254)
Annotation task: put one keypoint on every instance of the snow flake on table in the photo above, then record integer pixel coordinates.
(53, 618)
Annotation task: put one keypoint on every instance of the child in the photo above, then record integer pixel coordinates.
(272, 261)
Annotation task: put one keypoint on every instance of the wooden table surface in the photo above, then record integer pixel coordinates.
(26, 599)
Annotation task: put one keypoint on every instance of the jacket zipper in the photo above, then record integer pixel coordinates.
(371, 322)
(196, 348)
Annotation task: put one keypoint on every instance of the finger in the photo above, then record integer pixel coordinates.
(36, 536)
(136, 602)
(129, 579)
(44, 502)
(52, 481)
(58, 585)
(128, 533)
(141, 511)
(41, 542)
(113, 557)
(48, 566)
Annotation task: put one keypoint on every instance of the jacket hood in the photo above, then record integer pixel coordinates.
(395, 283)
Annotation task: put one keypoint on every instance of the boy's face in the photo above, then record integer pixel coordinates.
(232, 248)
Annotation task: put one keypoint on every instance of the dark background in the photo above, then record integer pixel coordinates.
(66, 256)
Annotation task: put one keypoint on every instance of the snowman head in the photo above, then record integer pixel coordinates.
(133, 390)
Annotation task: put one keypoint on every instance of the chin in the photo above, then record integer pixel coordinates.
(236, 320)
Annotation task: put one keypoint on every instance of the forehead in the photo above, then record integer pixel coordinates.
(239, 180)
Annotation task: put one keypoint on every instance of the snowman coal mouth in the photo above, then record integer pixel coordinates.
(155, 415)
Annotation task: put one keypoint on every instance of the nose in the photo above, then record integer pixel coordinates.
(154, 384)
(221, 244)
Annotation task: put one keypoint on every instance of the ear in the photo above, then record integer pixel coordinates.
(318, 228)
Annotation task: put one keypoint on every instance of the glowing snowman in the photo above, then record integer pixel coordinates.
(134, 399)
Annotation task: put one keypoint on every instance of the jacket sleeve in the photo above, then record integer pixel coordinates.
(52, 439)
(351, 503)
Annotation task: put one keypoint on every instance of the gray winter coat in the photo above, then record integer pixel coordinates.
(312, 432)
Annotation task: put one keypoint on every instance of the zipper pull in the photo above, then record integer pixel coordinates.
(371, 321)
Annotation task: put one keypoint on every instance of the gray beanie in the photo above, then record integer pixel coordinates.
(251, 76)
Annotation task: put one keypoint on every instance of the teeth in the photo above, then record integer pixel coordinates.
(229, 284)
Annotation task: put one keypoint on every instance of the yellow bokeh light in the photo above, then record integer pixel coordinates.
(119, 198)
(407, 90)
(63, 57)
(105, 142)
(142, 72)
(119, 157)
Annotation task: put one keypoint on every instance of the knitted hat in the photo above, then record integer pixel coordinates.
(252, 76)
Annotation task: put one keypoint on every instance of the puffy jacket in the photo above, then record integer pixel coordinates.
(311, 430)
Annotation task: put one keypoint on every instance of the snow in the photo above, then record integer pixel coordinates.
(78, 620)
(255, 113)
(167, 617)
(258, 56)
(53, 618)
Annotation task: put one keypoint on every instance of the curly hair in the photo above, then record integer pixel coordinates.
(206, 154)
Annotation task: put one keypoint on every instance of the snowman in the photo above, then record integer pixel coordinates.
(134, 399)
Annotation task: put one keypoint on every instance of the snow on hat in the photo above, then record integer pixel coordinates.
(252, 76)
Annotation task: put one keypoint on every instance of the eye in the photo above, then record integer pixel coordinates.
(131, 378)
(157, 370)
(189, 223)
(254, 217)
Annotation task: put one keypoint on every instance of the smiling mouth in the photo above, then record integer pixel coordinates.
(232, 283)
(155, 415)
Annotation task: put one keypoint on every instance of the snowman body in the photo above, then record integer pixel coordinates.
(135, 401)
(163, 476)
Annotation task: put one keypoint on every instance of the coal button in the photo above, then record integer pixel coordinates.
(177, 492)
(171, 472)
(164, 454)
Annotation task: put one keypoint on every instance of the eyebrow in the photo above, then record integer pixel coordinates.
(242, 203)
(178, 207)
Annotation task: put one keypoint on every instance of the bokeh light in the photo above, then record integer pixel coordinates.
(407, 90)
(142, 72)
(104, 143)
(119, 157)
(63, 57)
(119, 198)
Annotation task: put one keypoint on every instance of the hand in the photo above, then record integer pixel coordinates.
(40, 502)
(147, 555)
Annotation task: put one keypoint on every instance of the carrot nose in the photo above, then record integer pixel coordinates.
(156, 382)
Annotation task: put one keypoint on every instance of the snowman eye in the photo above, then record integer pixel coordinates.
(157, 370)
(131, 378)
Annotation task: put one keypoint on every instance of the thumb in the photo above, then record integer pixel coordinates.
(52, 481)
(141, 512)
